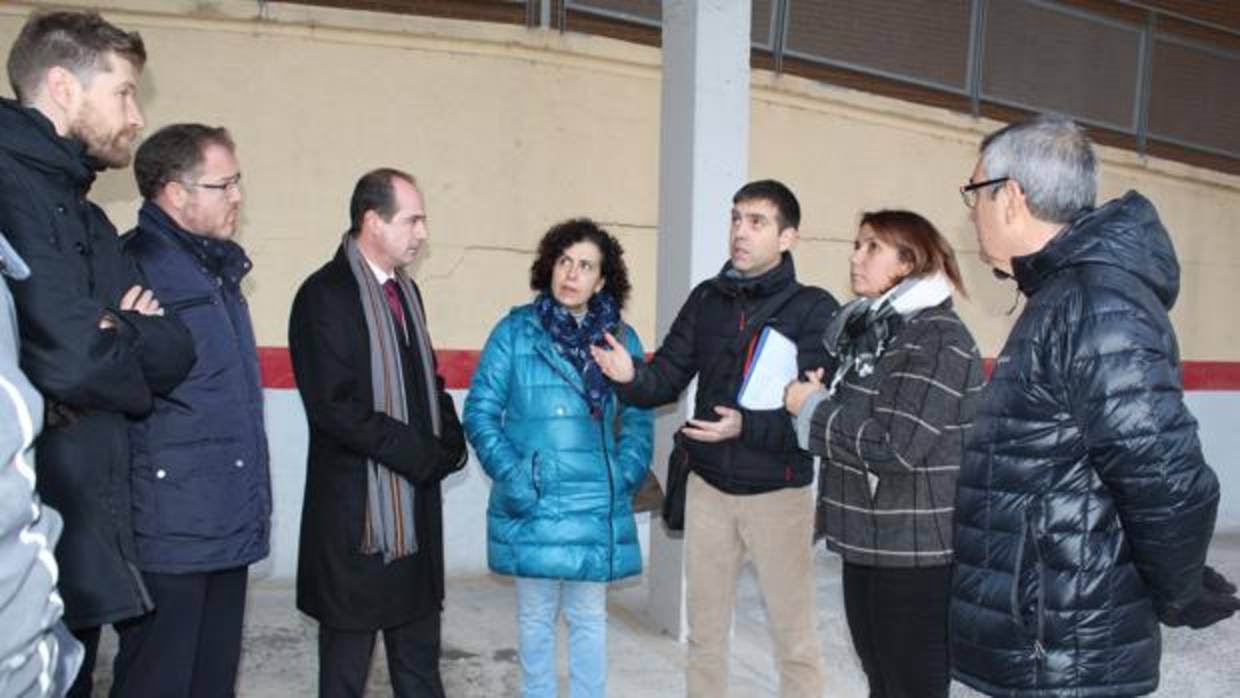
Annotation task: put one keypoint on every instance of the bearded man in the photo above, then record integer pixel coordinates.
(94, 342)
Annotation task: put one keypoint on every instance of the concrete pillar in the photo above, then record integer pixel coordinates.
(703, 160)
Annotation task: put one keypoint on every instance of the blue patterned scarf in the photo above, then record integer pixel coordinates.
(574, 340)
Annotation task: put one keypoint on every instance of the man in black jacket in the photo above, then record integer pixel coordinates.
(1084, 506)
(94, 342)
(201, 487)
(749, 488)
(383, 434)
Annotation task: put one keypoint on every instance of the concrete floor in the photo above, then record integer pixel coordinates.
(479, 638)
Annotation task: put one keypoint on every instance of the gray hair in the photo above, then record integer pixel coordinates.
(1052, 160)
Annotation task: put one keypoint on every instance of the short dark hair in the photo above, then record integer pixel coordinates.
(75, 41)
(374, 192)
(564, 235)
(917, 242)
(780, 196)
(173, 152)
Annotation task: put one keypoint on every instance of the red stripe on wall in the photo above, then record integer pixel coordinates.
(276, 366)
(1212, 375)
(457, 367)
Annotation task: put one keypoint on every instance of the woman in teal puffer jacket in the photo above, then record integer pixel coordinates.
(563, 454)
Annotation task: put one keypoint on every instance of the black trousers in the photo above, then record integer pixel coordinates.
(898, 620)
(85, 681)
(190, 645)
(412, 654)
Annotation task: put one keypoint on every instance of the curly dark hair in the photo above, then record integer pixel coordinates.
(564, 235)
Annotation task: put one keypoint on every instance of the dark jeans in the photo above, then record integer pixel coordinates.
(190, 645)
(412, 654)
(898, 620)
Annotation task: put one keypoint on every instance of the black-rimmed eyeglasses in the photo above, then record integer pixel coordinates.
(969, 191)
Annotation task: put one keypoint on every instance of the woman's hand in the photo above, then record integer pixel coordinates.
(796, 391)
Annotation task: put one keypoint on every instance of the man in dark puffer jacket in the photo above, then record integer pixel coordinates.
(1084, 508)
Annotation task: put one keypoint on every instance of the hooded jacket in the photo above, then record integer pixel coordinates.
(92, 378)
(1084, 506)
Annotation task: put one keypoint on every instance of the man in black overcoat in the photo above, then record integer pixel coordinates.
(94, 341)
(383, 434)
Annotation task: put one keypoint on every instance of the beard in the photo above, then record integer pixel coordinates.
(112, 147)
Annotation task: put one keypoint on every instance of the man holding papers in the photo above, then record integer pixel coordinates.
(771, 368)
(749, 491)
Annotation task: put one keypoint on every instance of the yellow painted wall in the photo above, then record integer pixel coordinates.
(510, 130)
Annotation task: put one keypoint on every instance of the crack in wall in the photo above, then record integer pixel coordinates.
(465, 252)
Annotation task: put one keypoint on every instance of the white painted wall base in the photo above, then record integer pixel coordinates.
(465, 494)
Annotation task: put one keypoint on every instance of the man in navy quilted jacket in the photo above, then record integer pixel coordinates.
(201, 489)
(1084, 508)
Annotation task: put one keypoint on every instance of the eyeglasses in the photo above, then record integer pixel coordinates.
(969, 192)
(233, 182)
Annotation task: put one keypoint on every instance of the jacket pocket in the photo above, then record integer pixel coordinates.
(1028, 591)
(201, 491)
(521, 491)
(183, 304)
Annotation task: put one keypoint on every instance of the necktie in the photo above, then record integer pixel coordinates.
(392, 293)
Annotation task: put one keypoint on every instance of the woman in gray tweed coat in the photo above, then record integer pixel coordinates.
(890, 426)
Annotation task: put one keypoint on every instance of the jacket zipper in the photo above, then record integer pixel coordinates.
(611, 495)
(1030, 530)
(742, 322)
(611, 504)
(534, 476)
(1039, 649)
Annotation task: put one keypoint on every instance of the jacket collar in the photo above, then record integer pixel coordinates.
(730, 283)
(31, 137)
(1125, 233)
(224, 258)
(544, 346)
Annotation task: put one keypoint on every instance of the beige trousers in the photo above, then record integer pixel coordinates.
(776, 530)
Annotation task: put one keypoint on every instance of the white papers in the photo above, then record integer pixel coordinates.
(773, 367)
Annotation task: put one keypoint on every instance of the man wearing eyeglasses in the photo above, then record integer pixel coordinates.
(1084, 507)
(94, 340)
(201, 488)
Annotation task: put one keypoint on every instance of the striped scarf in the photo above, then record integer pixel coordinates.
(389, 527)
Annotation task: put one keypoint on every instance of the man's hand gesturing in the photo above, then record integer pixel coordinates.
(615, 361)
